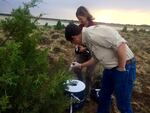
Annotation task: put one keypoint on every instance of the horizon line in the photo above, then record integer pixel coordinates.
(48, 18)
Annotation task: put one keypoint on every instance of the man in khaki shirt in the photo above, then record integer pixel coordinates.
(112, 51)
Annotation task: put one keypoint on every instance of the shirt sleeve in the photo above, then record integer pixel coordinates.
(106, 37)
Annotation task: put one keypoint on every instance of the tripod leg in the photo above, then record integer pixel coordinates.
(71, 105)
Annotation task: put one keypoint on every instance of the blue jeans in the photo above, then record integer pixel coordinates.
(121, 84)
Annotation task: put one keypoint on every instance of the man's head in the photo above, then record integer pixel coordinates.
(73, 34)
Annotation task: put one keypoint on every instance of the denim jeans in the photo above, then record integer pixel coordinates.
(119, 83)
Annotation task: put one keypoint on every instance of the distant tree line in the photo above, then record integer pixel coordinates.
(58, 25)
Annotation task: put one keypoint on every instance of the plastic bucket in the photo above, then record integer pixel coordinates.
(76, 90)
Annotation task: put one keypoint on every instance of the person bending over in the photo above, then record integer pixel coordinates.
(111, 50)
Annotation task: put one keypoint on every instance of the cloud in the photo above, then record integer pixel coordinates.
(65, 9)
(122, 16)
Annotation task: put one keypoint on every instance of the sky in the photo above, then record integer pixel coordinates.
(109, 11)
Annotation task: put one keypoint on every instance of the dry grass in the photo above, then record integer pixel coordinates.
(57, 46)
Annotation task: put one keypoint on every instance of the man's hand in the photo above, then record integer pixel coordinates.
(75, 65)
(81, 48)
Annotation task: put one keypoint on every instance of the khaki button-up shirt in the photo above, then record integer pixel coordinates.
(103, 41)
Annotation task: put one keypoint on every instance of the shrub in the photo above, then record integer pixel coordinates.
(124, 29)
(135, 30)
(59, 25)
(71, 22)
(142, 30)
(25, 84)
(46, 25)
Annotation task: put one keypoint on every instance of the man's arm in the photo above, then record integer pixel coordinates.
(89, 62)
(85, 64)
(121, 51)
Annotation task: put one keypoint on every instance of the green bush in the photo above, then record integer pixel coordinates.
(26, 86)
(135, 30)
(142, 30)
(59, 25)
(71, 22)
(124, 29)
(46, 25)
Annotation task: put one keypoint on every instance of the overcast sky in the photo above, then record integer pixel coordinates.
(111, 11)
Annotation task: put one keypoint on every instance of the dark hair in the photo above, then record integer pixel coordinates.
(71, 30)
(82, 11)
